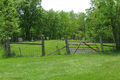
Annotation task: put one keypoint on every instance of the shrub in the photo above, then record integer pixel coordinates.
(4, 53)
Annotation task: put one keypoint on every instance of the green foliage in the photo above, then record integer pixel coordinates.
(8, 18)
(30, 12)
(4, 53)
(102, 18)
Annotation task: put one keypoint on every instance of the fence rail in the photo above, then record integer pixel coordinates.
(105, 45)
(9, 49)
(109, 45)
(25, 43)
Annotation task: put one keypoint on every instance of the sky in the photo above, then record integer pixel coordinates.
(66, 5)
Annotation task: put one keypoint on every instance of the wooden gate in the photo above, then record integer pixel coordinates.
(82, 47)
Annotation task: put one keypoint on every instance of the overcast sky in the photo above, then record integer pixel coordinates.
(66, 5)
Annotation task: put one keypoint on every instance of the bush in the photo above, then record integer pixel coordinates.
(4, 53)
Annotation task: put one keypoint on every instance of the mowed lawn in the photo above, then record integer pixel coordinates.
(97, 66)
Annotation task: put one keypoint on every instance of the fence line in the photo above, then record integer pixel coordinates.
(105, 45)
(67, 48)
(9, 49)
(25, 43)
(56, 50)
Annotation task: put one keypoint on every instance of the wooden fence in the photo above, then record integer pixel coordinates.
(78, 47)
(105, 45)
(82, 47)
(9, 49)
(67, 48)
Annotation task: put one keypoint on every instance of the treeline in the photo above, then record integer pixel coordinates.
(27, 19)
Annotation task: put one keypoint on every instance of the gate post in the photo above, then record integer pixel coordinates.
(8, 45)
(67, 46)
(43, 48)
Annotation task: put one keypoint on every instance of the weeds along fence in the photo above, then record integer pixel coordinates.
(3, 43)
(27, 48)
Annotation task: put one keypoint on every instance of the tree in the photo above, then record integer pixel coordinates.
(106, 16)
(28, 10)
(9, 18)
(81, 22)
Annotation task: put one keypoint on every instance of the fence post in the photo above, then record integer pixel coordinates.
(43, 48)
(112, 47)
(67, 46)
(8, 45)
(5, 44)
(1, 42)
(101, 43)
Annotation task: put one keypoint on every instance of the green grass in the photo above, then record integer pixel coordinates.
(96, 66)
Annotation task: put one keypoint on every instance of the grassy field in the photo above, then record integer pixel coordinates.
(96, 66)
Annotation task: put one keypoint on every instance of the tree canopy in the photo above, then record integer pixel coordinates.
(27, 19)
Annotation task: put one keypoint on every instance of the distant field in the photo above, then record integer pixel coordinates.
(97, 66)
(50, 46)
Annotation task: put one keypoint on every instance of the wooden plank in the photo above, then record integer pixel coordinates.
(25, 43)
(77, 48)
(101, 43)
(91, 47)
(97, 47)
(92, 44)
(43, 48)
(56, 50)
(8, 45)
(82, 47)
(89, 42)
(74, 41)
(73, 47)
(80, 52)
(73, 44)
(20, 51)
(109, 45)
(67, 46)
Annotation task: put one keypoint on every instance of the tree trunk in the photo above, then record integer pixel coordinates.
(28, 34)
(115, 34)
